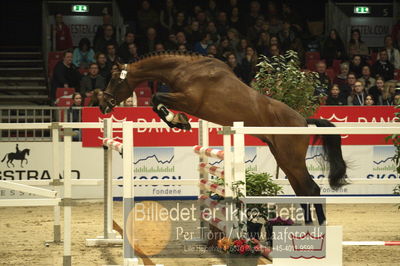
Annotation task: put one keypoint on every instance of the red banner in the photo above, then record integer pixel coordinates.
(176, 137)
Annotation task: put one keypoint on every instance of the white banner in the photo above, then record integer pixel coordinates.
(373, 29)
(34, 162)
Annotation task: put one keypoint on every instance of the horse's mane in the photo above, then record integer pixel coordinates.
(173, 52)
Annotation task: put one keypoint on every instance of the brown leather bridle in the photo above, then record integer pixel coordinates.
(112, 102)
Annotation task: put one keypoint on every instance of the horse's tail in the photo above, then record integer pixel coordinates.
(333, 150)
(5, 156)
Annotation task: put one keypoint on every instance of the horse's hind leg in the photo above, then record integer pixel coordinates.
(176, 101)
(290, 153)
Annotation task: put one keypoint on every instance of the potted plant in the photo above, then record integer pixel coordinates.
(240, 251)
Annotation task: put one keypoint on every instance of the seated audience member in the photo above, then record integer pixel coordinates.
(348, 87)
(100, 44)
(114, 68)
(388, 93)
(333, 48)
(212, 51)
(366, 77)
(383, 67)
(241, 49)
(249, 65)
(263, 43)
(286, 36)
(181, 40)
(148, 44)
(96, 97)
(107, 20)
(356, 46)
(182, 48)
(201, 46)
(171, 43)
(63, 36)
(104, 68)
(341, 78)
(376, 91)
(212, 30)
(111, 55)
(65, 75)
(92, 81)
(392, 52)
(74, 114)
(147, 16)
(123, 49)
(334, 97)
(369, 100)
(159, 47)
(233, 64)
(358, 95)
(356, 65)
(193, 33)
(83, 55)
(322, 77)
(133, 53)
(274, 50)
(131, 101)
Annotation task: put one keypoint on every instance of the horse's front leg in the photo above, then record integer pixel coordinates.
(162, 101)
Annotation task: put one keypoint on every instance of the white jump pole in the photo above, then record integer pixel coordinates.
(67, 198)
(203, 141)
(128, 192)
(56, 179)
(228, 180)
(108, 198)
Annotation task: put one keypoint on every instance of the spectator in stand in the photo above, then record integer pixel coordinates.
(297, 46)
(62, 34)
(249, 65)
(286, 36)
(212, 51)
(74, 114)
(293, 17)
(275, 23)
(112, 57)
(383, 67)
(356, 46)
(341, 78)
(182, 48)
(324, 81)
(388, 93)
(358, 95)
(356, 65)
(171, 43)
(212, 30)
(262, 46)
(393, 53)
(241, 49)
(100, 44)
(159, 47)
(167, 15)
(201, 46)
(224, 48)
(96, 97)
(65, 75)
(113, 69)
(255, 13)
(133, 54)
(104, 68)
(230, 5)
(123, 49)
(333, 48)
(201, 17)
(334, 96)
(148, 44)
(369, 101)
(222, 23)
(348, 87)
(254, 31)
(236, 22)
(130, 102)
(181, 40)
(233, 64)
(274, 50)
(107, 20)
(366, 78)
(376, 91)
(212, 10)
(92, 81)
(193, 33)
(83, 55)
(180, 22)
(147, 17)
(233, 37)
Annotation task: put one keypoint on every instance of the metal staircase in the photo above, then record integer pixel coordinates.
(22, 76)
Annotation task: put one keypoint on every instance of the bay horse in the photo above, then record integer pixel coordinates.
(208, 89)
(16, 156)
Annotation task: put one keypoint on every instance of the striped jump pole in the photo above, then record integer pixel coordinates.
(211, 169)
(209, 152)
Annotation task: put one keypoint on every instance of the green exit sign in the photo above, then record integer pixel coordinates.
(361, 10)
(80, 8)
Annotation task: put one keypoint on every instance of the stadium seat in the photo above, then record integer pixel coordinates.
(330, 72)
(52, 59)
(143, 101)
(312, 56)
(336, 65)
(64, 92)
(374, 57)
(310, 64)
(143, 90)
(86, 101)
(64, 102)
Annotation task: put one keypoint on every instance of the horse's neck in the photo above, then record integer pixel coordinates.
(158, 68)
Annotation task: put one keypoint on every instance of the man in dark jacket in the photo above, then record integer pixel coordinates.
(65, 75)
(92, 81)
(123, 49)
(383, 67)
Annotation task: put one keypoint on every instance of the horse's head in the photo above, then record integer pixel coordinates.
(26, 151)
(117, 90)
